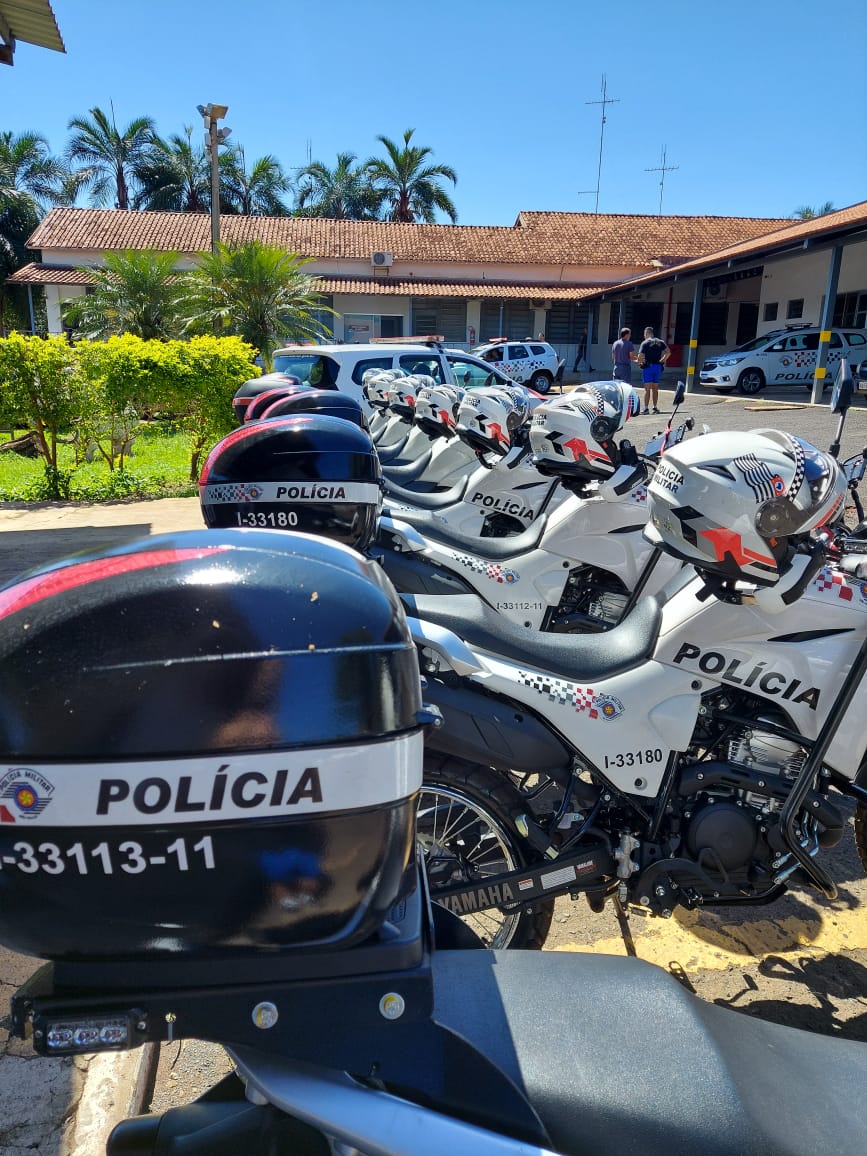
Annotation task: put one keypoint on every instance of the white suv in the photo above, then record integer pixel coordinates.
(532, 363)
(782, 357)
(343, 366)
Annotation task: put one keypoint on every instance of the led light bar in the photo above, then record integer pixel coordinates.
(56, 1034)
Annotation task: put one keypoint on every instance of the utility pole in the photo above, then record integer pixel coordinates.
(662, 168)
(214, 137)
(605, 101)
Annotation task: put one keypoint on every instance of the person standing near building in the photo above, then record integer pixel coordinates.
(652, 356)
(623, 355)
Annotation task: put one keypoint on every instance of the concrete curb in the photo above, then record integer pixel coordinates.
(117, 1085)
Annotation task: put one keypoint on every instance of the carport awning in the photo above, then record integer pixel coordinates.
(31, 21)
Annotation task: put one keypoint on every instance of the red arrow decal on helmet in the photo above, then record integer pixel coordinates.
(580, 449)
(728, 542)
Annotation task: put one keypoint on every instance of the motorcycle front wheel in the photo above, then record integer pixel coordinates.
(466, 831)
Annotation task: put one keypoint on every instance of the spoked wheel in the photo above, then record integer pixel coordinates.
(466, 833)
(861, 833)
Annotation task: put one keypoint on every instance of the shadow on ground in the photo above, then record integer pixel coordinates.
(826, 984)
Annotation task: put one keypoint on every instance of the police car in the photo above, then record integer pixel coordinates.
(532, 363)
(782, 357)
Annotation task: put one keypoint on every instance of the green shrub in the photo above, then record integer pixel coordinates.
(95, 394)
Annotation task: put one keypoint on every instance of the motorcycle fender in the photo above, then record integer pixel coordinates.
(494, 731)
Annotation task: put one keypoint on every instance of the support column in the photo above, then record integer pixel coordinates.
(692, 352)
(474, 321)
(825, 324)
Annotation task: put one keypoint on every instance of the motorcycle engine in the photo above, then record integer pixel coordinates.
(726, 823)
(593, 599)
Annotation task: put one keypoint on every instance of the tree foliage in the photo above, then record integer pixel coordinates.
(257, 292)
(137, 292)
(255, 192)
(111, 159)
(807, 212)
(342, 193)
(90, 390)
(174, 176)
(407, 183)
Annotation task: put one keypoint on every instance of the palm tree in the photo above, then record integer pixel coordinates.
(136, 292)
(110, 158)
(343, 193)
(31, 178)
(807, 212)
(254, 193)
(28, 169)
(174, 176)
(410, 185)
(257, 292)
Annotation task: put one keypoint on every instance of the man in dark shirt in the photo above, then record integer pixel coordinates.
(623, 353)
(652, 356)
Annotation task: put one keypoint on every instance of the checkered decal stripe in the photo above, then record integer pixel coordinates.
(492, 570)
(584, 699)
(828, 579)
(800, 467)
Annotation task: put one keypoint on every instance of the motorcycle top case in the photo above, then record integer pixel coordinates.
(314, 473)
(210, 747)
(251, 389)
(326, 401)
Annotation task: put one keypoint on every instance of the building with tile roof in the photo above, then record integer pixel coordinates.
(386, 278)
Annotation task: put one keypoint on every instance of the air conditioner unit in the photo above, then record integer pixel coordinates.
(382, 260)
(715, 291)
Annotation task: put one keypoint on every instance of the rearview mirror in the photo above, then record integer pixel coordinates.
(679, 393)
(841, 394)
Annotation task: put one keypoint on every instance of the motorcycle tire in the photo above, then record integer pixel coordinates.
(466, 830)
(861, 833)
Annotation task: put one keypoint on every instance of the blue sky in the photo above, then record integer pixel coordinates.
(498, 89)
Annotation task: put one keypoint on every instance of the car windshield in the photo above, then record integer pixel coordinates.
(756, 343)
(471, 374)
(310, 368)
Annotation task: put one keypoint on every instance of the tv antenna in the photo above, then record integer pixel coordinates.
(662, 168)
(605, 101)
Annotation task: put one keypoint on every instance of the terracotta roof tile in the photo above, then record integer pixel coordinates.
(536, 238)
(36, 274)
(793, 234)
(393, 286)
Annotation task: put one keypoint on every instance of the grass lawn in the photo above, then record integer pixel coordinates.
(159, 467)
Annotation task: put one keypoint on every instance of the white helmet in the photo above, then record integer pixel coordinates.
(436, 409)
(489, 418)
(573, 436)
(730, 502)
(402, 393)
(375, 384)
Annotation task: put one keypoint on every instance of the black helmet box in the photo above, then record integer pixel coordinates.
(313, 473)
(246, 394)
(210, 746)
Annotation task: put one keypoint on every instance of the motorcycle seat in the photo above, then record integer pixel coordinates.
(615, 1056)
(411, 469)
(494, 549)
(579, 657)
(437, 500)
